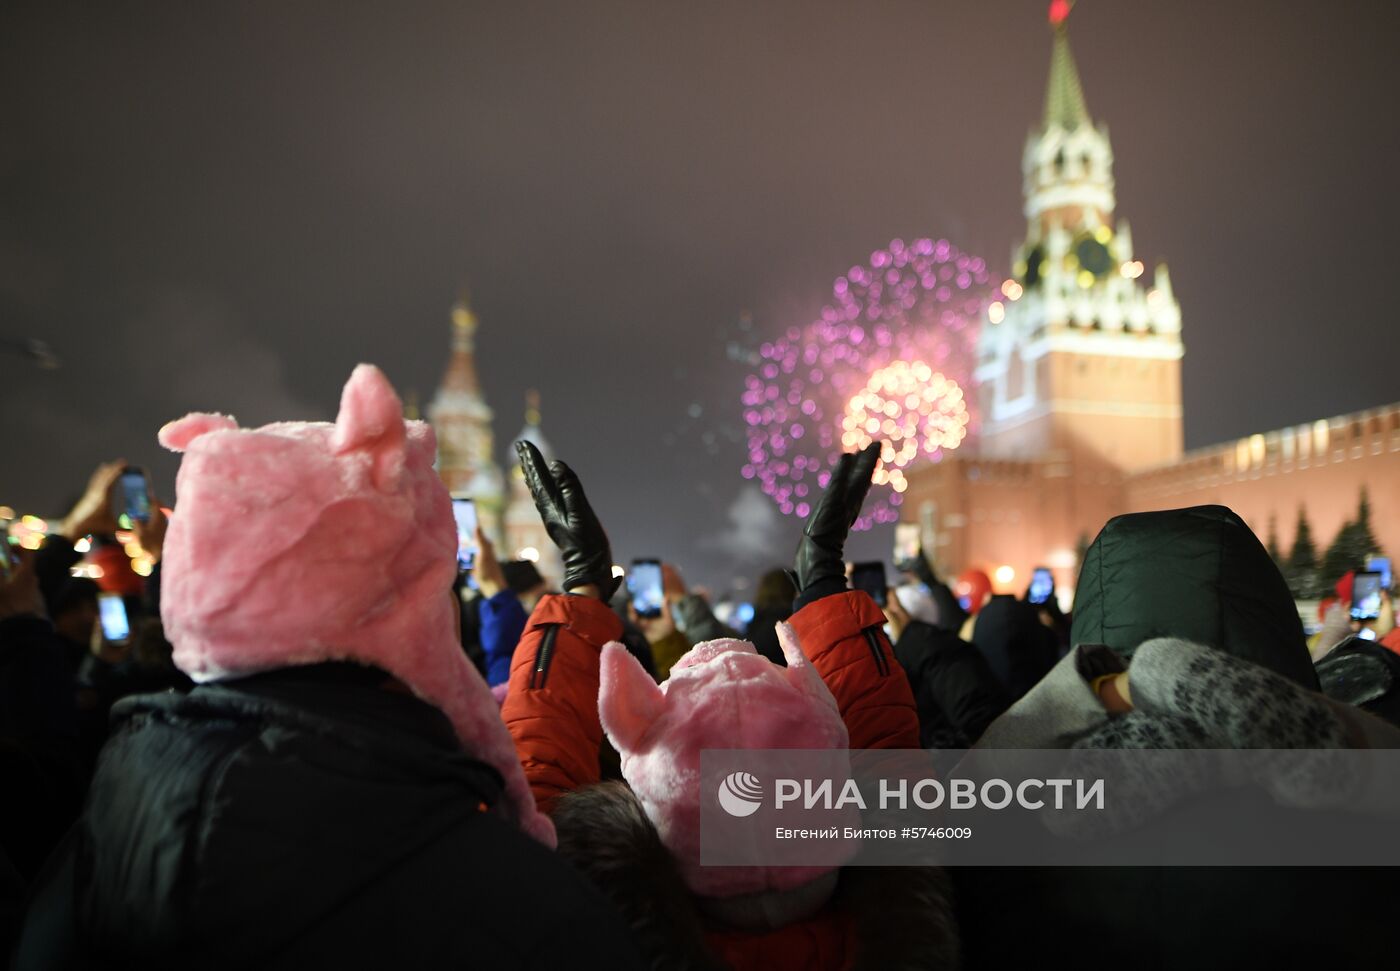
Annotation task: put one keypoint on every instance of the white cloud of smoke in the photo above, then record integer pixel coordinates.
(755, 531)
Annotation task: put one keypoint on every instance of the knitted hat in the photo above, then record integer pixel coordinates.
(721, 694)
(303, 542)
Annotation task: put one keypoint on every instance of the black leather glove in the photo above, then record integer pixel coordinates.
(819, 568)
(570, 522)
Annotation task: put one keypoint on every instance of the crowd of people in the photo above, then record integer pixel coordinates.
(318, 744)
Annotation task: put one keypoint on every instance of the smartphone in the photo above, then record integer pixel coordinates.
(1042, 586)
(1366, 596)
(1381, 565)
(743, 616)
(644, 585)
(116, 628)
(870, 577)
(134, 498)
(464, 512)
(906, 542)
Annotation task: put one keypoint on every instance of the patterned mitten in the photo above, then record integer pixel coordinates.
(1142, 787)
(1240, 705)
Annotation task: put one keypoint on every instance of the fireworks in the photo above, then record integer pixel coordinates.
(914, 303)
(913, 410)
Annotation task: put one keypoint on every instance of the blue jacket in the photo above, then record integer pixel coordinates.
(502, 623)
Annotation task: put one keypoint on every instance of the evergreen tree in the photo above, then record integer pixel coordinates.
(1354, 543)
(1339, 558)
(1272, 544)
(1301, 569)
(1365, 539)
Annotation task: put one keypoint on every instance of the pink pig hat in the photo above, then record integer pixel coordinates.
(722, 694)
(303, 542)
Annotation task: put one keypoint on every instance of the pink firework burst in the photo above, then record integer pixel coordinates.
(915, 301)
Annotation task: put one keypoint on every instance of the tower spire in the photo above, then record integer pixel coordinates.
(1041, 386)
(1064, 97)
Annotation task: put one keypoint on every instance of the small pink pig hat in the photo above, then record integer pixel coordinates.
(722, 694)
(303, 542)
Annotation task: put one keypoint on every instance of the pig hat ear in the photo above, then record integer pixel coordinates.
(629, 701)
(800, 673)
(177, 435)
(371, 419)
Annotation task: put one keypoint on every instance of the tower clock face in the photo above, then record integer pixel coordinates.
(1035, 259)
(1093, 255)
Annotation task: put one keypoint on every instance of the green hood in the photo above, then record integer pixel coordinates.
(1199, 574)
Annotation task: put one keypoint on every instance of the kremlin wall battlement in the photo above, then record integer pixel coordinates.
(1319, 468)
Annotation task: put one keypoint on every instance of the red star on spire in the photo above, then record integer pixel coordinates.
(1059, 10)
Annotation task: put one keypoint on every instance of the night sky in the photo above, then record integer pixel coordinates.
(225, 207)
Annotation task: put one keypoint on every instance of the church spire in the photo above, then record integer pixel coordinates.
(461, 366)
(1064, 97)
(462, 421)
(531, 432)
(525, 535)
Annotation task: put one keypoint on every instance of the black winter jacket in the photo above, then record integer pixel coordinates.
(42, 773)
(303, 818)
(1019, 649)
(955, 691)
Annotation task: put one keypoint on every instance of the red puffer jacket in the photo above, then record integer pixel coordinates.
(551, 710)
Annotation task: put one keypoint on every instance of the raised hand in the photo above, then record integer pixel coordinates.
(93, 512)
(819, 553)
(895, 613)
(570, 522)
(489, 575)
(151, 533)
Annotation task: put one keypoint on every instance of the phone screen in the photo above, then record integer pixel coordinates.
(115, 626)
(906, 542)
(870, 577)
(743, 615)
(136, 496)
(1042, 585)
(1366, 596)
(644, 584)
(464, 512)
(1381, 565)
